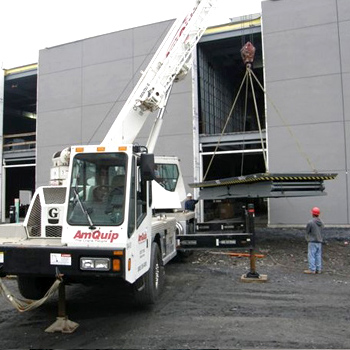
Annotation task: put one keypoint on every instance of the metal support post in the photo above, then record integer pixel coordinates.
(252, 275)
(17, 210)
(251, 227)
(62, 323)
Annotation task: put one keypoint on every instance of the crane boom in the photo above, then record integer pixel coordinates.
(169, 64)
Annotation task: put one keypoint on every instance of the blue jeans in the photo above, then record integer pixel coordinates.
(314, 255)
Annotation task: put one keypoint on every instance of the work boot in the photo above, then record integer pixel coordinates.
(309, 272)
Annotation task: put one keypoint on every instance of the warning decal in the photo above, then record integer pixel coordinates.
(60, 259)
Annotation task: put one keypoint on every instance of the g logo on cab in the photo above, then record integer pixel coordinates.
(53, 216)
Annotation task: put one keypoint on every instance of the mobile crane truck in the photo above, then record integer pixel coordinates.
(96, 221)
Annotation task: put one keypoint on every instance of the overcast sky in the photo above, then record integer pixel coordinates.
(28, 26)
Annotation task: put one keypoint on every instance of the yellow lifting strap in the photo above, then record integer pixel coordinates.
(23, 305)
(300, 148)
(247, 53)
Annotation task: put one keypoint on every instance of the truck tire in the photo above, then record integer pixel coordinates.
(148, 287)
(34, 288)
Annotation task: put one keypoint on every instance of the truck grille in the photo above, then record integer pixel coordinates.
(53, 231)
(45, 196)
(55, 195)
(34, 220)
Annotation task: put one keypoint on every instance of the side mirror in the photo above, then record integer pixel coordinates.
(147, 166)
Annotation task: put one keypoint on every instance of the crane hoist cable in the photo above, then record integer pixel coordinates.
(258, 118)
(298, 144)
(244, 125)
(224, 128)
(250, 35)
(247, 53)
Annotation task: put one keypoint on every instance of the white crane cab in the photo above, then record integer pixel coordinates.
(101, 219)
(108, 222)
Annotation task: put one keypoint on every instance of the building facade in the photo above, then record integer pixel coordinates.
(307, 66)
(302, 121)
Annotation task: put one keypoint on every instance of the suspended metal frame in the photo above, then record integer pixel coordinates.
(264, 185)
(261, 185)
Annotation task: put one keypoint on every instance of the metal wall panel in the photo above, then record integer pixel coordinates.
(59, 90)
(306, 70)
(100, 85)
(315, 146)
(344, 35)
(300, 53)
(343, 10)
(319, 100)
(107, 48)
(287, 15)
(60, 58)
(83, 86)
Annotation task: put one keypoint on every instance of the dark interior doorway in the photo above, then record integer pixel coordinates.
(19, 133)
(17, 179)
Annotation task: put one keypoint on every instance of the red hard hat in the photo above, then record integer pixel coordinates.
(315, 211)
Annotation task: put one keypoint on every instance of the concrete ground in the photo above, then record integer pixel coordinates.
(205, 305)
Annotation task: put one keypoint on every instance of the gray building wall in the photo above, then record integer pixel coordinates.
(307, 66)
(83, 85)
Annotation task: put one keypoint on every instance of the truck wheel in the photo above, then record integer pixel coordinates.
(148, 287)
(34, 288)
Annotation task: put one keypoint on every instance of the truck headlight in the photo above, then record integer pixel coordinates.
(100, 264)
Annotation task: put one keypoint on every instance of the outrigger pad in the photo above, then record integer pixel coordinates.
(260, 279)
(62, 324)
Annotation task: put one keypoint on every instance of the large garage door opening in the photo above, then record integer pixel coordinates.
(19, 138)
(23, 177)
(231, 115)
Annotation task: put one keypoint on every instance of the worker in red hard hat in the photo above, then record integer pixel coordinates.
(314, 237)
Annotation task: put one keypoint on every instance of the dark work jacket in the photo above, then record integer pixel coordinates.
(314, 230)
(190, 204)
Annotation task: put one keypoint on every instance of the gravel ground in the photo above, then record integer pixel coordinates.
(205, 305)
